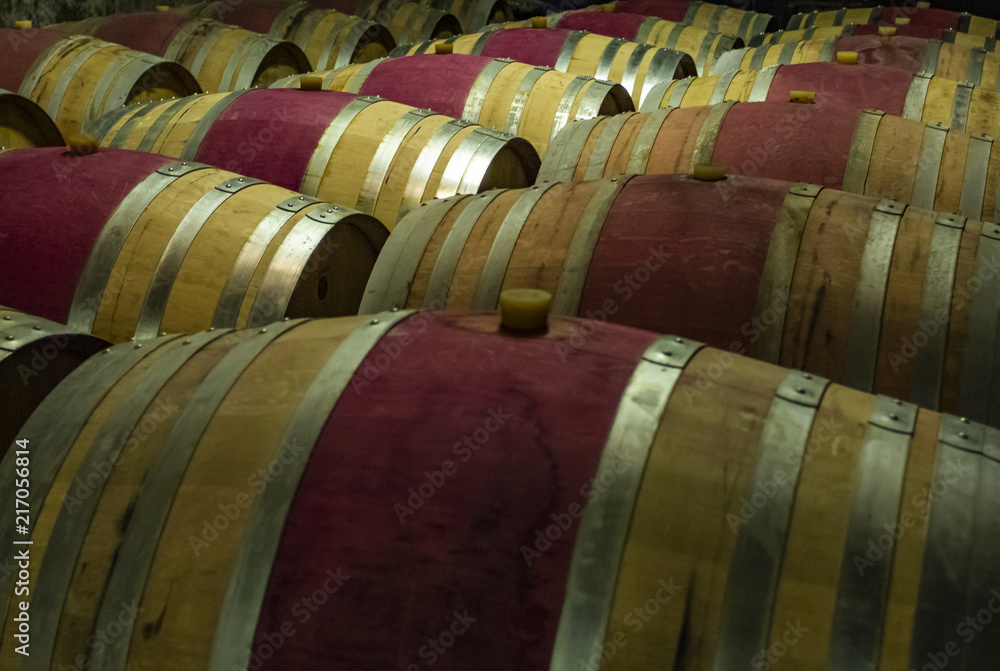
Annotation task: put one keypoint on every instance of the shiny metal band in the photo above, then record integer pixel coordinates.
(305, 27)
(964, 21)
(165, 475)
(717, 14)
(227, 310)
(567, 50)
(320, 158)
(677, 94)
(446, 263)
(779, 268)
(977, 167)
(480, 89)
(985, 570)
(756, 60)
(748, 19)
(860, 156)
(762, 84)
(423, 167)
(564, 154)
(755, 565)
(931, 54)
(279, 29)
(289, 261)
(378, 169)
(795, 23)
(513, 123)
(960, 110)
(348, 47)
(241, 68)
(979, 352)
(935, 310)
(946, 568)
(391, 277)
(601, 541)
(733, 60)
(869, 301)
(569, 96)
(929, 166)
(193, 143)
(466, 164)
(708, 45)
(30, 79)
(114, 85)
(482, 157)
(593, 98)
(722, 87)
(644, 142)
(863, 588)
(96, 273)
(977, 60)
(602, 148)
(207, 45)
(360, 76)
(70, 528)
(829, 50)
(632, 70)
(169, 265)
(709, 133)
(67, 76)
(482, 41)
(664, 67)
(692, 12)
(608, 57)
(787, 53)
(249, 578)
(487, 295)
(155, 130)
(132, 115)
(569, 292)
(646, 27)
(913, 106)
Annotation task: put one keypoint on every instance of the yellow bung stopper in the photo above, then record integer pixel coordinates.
(310, 83)
(709, 172)
(525, 309)
(803, 97)
(539, 22)
(444, 48)
(83, 145)
(847, 57)
(924, 5)
(608, 7)
(902, 21)
(23, 25)
(163, 8)
(887, 31)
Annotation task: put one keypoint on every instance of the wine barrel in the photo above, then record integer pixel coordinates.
(35, 355)
(914, 55)
(473, 15)
(704, 47)
(221, 57)
(76, 80)
(911, 30)
(527, 521)
(329, 39)
(516, 98)
(785, 261)
(928, 98)
(635, 66)
(369, 154)
(940, 19)
(413, 23)
(25, 124)
(713, 18)
(870, 153)
(171, 245)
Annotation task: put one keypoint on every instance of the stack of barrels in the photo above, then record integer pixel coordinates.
(390, 334)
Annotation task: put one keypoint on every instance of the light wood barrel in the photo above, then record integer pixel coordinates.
(221, 57)
(932, 57)
(635, 66)
(76, 80)
(372, 155)
(940, 19)
(929, 98)
(516, 98)
(704, 47)
(25, 124)
(786, 261)
(329, 39)
(35, 355)
(474, 15)
(413, 23)
(869, 153)
(911, 30)
(513, 520)
(172, 246)
(713, 18)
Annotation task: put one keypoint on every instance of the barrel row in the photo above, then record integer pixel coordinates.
(636, 66)
(713, 18)
(369, 154)
(940, 19)
(868, 153)
(128, 540)
(25, 124)
(532, 102)
(948, 36)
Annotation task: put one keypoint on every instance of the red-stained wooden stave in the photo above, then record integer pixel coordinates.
(615, 24)
(19, 49)
(541, 47)
(404, 80)
(859, 86)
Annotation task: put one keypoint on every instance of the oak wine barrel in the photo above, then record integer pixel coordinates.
(923, 97)
(523, 100)
(713, 18)
(635, 66)
(376, 156)
(329, 39)
(413, 23)
(25, 124)
(164, 245)
(221, 57)
(785, 277)
(532, 520)
(76, 80)
(911, 30)
(940, 19)
(35, 355)
(870, 153)
(932, 57)
(472, 15)
(704, 47)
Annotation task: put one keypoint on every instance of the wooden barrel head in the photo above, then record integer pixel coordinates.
(24, 124)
